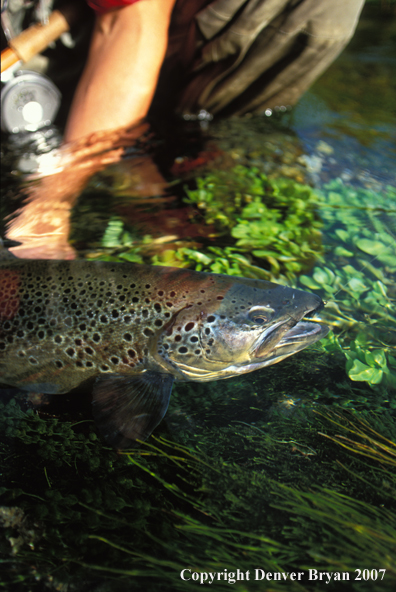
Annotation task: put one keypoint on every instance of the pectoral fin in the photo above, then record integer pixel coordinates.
(126, 409)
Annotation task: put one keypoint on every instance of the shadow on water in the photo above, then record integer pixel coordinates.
(288, 469)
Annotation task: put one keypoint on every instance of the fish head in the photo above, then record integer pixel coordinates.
(247, 325)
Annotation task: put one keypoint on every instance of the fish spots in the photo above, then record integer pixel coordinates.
(71, 352)
(9, 294)
(127, 337)
(211, 319)
(189, 326)
(183, 350)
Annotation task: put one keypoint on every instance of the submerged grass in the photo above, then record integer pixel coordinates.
(274, 496)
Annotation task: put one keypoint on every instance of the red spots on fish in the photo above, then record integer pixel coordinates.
(9, 294)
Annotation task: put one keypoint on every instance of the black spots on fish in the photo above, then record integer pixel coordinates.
(189, 326)
(158, 323)
(20, 333)
(194, 339)
(58, 339)
(21, 354)
(167, 315)
(135, 299)
(131, 353)
(103, 319)
(104, 368)
(78, 342)
(169, 304)
(71, 352)
(115, 314)
(182, 350)
(178, 338)
(32, 361)
(2, 346)
(145, 313)
(89, 351)
(96, 337)
(148, 332)
(160, 293)
(82, 327)
(114, 360)
(41, 334)
(7, 326)
(211, 319)
(127, 337)
(207, 331)
(29, 326)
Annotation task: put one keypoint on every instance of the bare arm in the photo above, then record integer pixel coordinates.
(127, 50)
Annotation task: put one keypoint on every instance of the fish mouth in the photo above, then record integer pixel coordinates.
(288, 336)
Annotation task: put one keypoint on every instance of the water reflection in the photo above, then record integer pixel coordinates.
(42, 224)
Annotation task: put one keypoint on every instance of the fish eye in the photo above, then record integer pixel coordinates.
(260, 315)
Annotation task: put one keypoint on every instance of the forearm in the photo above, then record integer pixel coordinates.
(127, 50)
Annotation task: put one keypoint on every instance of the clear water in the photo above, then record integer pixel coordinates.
(285, 470)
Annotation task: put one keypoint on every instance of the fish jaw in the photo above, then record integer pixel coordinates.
(256, 324)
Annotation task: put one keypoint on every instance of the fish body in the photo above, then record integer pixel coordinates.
(131, 330)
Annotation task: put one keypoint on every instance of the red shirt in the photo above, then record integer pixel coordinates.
(103, 6)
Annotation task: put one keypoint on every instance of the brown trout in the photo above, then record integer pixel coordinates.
(128, 331)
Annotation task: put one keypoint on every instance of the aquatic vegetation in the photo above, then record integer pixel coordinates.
(264, 228)
(315, 491)
(358, 281)
(273, 220)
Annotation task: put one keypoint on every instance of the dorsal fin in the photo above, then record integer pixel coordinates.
(5, 244)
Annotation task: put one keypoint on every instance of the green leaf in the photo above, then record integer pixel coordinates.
(370, 246)
(362, 373)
